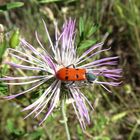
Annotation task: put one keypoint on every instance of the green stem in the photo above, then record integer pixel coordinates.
(65, 119)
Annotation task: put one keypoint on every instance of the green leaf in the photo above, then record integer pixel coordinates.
(10, 125)
(13, 5)
(86, 43)
(128, 88)
(79, 131)
(119, 116)
(3, 8)
(14, 40)
(36, 135)
(3, 46)
(3, 89)
(102, 138)
(86, 30)
(120, 10)
(81, 26)
(91, 31)
(70, 1)
(48, 1)
(4, 69)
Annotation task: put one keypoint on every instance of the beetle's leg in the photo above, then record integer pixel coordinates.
(100, 73)
(85, 84)
(79, 85)
(70, 84)
(71, 65)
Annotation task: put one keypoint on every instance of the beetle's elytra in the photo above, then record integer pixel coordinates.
(71, 74)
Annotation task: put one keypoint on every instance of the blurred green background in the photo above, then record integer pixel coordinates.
(116, 115)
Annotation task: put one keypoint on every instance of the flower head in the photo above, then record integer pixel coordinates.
(49, 60)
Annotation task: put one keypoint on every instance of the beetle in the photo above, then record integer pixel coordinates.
(75, 74)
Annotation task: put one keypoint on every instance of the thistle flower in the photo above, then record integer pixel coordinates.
(49, 60)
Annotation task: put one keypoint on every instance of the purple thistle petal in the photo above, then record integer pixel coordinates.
(113, 70)
(83, 106)
(24, 66)
(37, 38)
(24, 42)
(24, 83)
(36, 52)
(23, 59)
(85, 99)
(91, 49)
(39, 42)
(45, 103)
(105, 59)
(22, 78)
(51, 43)
(103, 64)
(81, 120)
(41, 98)
(28, 90)
(51, 63)
(53, 104)
(112, 73)
(46, 58)
(56, 30)
(106, 88)
(112, 76)
(102, 71)
(109, 83)
(67, 40)
(101, 61)
(93, 54)
(80, 104)
(30, 57)
(40, 102)
(21, 93)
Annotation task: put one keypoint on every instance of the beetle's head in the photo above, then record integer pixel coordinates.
(90, 77)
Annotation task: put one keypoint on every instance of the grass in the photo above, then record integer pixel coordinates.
(116, 115)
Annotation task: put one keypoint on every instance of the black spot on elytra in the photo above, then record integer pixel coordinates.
(77, 69)
(77, 76)
(66, 78)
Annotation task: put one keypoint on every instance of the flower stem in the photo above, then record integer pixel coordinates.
(65, 119)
